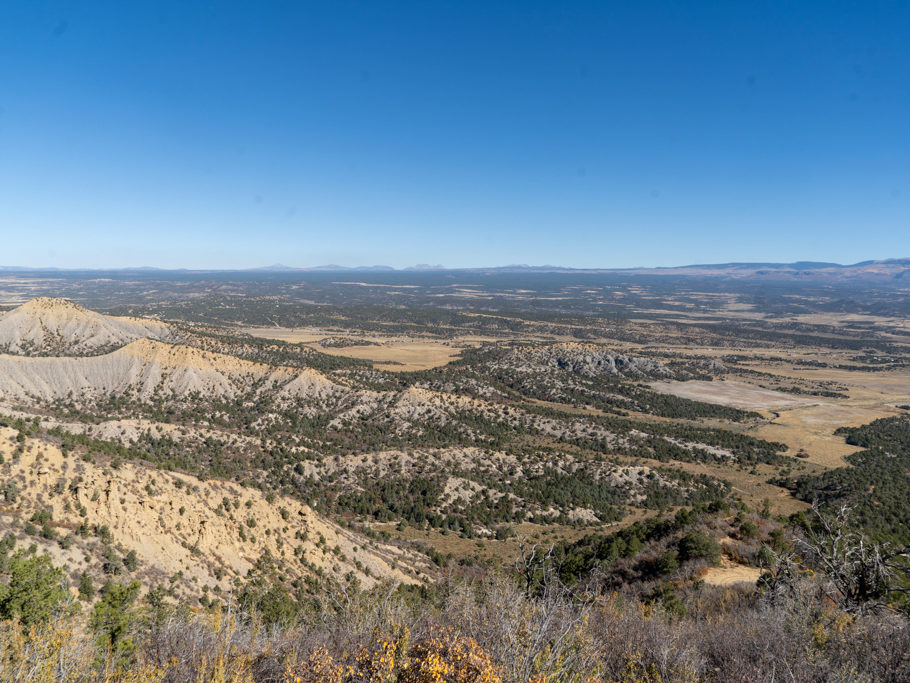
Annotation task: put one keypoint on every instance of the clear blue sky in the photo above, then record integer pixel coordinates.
(467, 133)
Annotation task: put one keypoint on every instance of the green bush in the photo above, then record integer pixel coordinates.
(86, 588)
(748, 530)
(112, 617)
(668, 562)
(696, 546)
(130, 561)
(35, 589)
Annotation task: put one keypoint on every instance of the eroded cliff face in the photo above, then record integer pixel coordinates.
(60, 327)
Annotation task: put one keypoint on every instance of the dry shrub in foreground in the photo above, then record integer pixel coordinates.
(441, 657)
(59, 651)
(491, 634)
(488, 627)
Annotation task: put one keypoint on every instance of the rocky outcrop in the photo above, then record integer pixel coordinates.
(588, 360)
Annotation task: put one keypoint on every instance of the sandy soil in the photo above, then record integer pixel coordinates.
(735, 573)
(176, 522)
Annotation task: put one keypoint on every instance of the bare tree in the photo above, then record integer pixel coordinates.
(861, 574)
(533, 563)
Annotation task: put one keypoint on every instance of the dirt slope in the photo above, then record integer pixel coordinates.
(57, 327)
(177, 523)
(145, 367)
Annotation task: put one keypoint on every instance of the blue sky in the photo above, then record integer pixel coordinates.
(239, 134)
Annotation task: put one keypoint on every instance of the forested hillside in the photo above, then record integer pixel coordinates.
(877, 482)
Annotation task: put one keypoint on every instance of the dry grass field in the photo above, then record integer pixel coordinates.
(401, 356)
(805, 423)
(811, 429)
(394, 353)
(733, 394)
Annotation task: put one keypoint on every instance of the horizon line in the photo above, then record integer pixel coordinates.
(422, 267)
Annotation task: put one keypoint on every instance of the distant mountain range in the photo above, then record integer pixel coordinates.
(882, 270)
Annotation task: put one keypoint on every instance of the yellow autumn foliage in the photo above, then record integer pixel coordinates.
(441, 657)
(59, 651)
